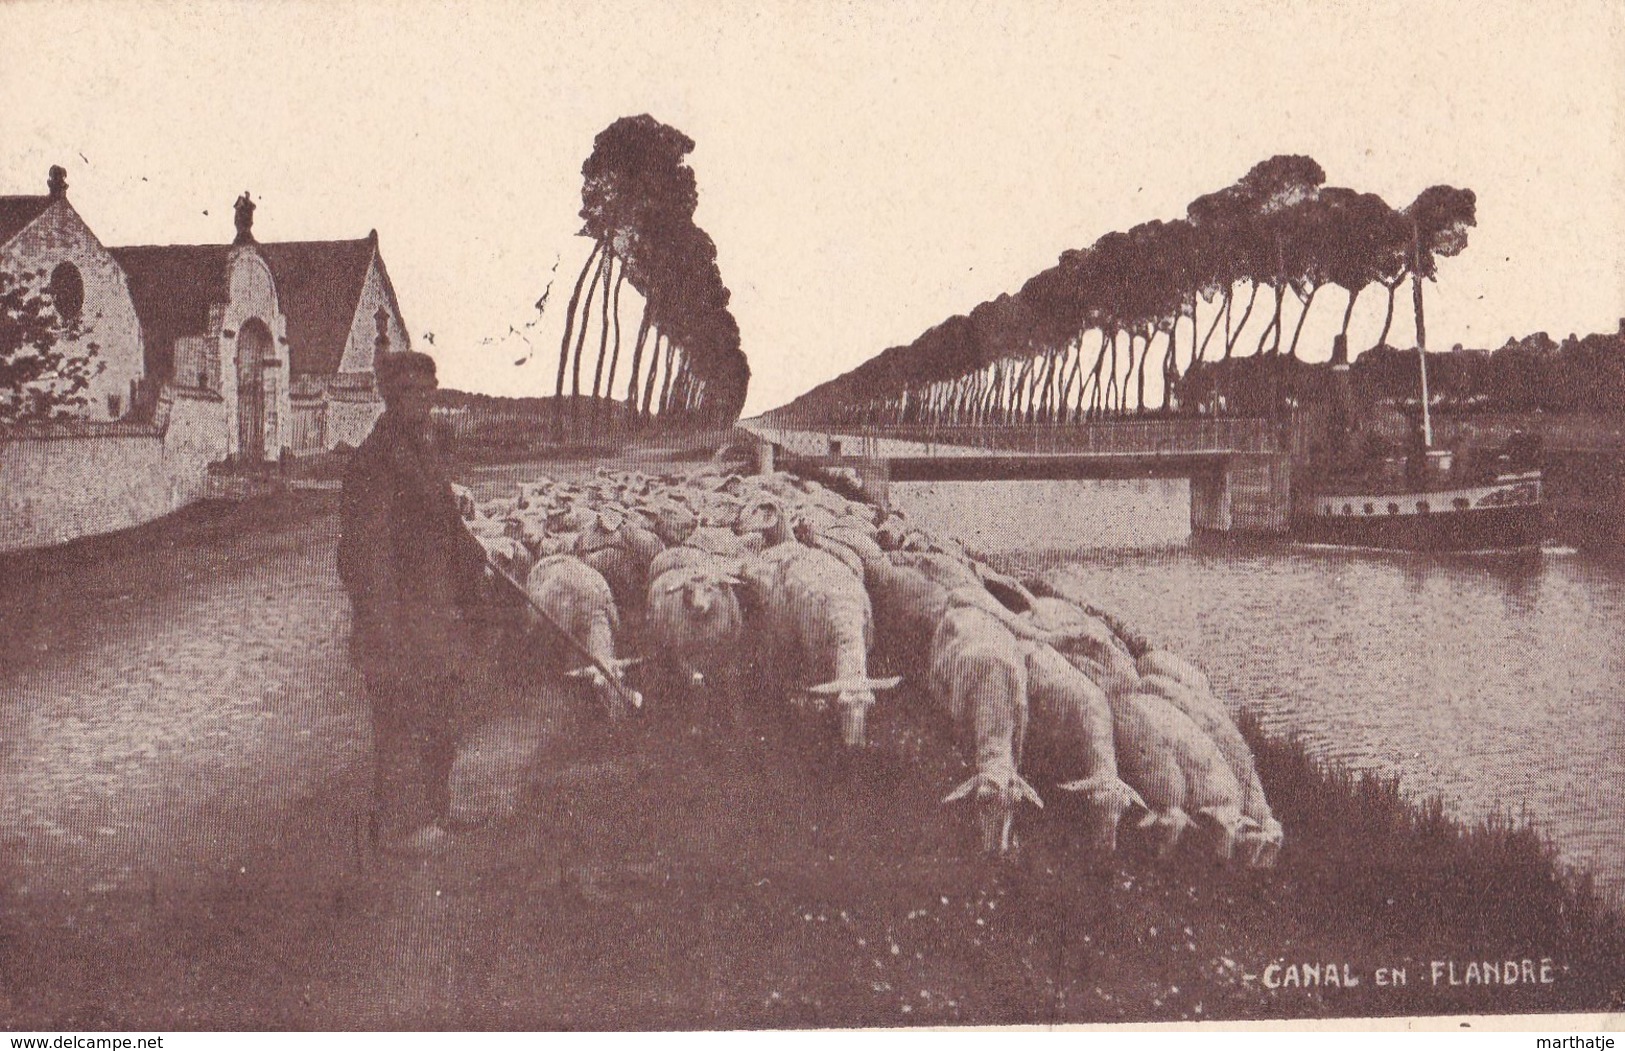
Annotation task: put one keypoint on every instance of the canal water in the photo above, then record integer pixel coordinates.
(1494, 682)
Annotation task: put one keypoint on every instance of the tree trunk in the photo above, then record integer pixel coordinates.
(1097, 393)
(570, 317)
(1073, 376)
(1233, 336)
(1388, 319)
(581, 335)
(1416, 299)
(615, 352)
(603, 331)
(1349, 312)
(654, 372)
(1139, 380)
(1218, 315)
(1170, 366)
(665, 385)
(1112, 385)
(637, 359)
(1292, 351)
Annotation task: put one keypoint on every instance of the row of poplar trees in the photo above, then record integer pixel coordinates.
(1075, 342)
(685, 365)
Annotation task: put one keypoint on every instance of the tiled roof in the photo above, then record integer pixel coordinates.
(18, 212)
(173, 287)
(319, 284)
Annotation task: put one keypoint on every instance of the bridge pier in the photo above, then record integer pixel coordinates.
(875, 478)
(1244, 493)
(764, 457)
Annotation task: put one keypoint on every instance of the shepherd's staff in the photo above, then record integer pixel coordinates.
(630, 696)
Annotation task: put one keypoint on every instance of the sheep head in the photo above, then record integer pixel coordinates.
(762, 516)
(996, 801)
(1109, 800)
(854, 697)
(1259, 844)
(1224, 824)
(1166, 827)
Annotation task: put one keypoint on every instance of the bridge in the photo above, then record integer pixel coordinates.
(1239, 470)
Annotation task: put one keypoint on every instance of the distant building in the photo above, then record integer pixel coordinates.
(43, 236)
(283, 334)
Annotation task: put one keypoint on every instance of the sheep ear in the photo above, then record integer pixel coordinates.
(963, 790)
(825, 689)
(1027, 792)
(1087, 784)
(1149, 819)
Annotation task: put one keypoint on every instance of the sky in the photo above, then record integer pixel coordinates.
(865, 169)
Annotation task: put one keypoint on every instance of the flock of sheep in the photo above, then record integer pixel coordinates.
(776, 578)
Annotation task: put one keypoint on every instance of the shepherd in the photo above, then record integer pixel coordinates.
(415, 580)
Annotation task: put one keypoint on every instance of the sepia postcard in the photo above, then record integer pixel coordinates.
(529, 516)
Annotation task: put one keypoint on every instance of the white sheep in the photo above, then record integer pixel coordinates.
(1259, 840)
(816, 620)
(694, 621)
(1165, 662)
(578, 600)
(1091, 646)
(1070, 740)
(1178, 771)
(978, 678)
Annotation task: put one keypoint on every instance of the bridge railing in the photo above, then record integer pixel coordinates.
(1125, 438)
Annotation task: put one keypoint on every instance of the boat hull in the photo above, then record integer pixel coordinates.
(1508, 515)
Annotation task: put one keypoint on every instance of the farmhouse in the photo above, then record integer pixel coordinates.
(219, 354)
(43, 240)
(282, 333)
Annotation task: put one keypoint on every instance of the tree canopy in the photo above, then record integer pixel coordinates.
(1077, 339)
(638, 198)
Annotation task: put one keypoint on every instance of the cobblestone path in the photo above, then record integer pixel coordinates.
(172, 696)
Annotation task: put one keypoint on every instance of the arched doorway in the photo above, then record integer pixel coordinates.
(254, 347)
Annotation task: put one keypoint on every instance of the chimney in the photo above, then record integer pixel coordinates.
(57, 182)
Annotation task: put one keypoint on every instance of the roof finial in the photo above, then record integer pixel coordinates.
(244, 219)
(57, 181)
(380, 343)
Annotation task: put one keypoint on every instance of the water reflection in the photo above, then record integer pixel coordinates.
(1492, 681)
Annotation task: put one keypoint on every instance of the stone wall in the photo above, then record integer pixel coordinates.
(108, 315)
(59, 482)
(358, 350)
